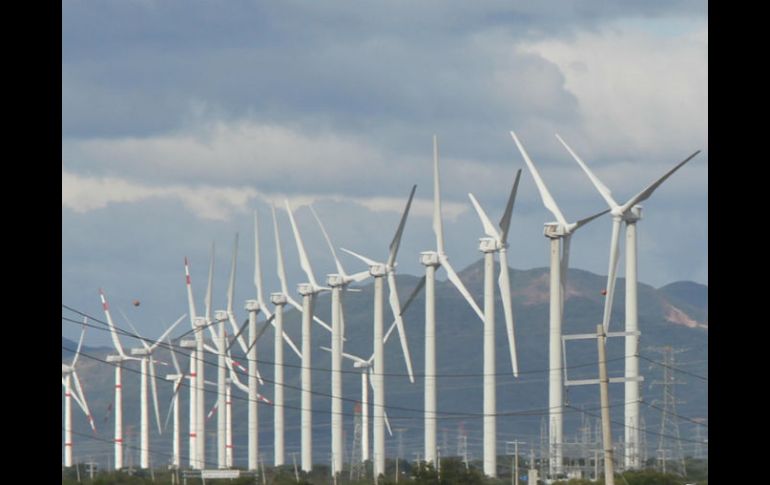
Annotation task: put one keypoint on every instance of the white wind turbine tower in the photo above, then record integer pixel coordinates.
(308, 291)
(630, 213)
(254, 307)
(68, 375)
(338, 282)
(495, 242)
(560, 231)
(117, 361)
(367, 381)
(147, 369)
(381, 271)
(177, 380)
(197, 361)
(279, 299)
(432, 260)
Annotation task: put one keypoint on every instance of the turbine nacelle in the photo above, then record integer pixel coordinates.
(335, 280)
(379, 269)
(306, 289)
(115, 358)
(554, 230)
(220, 315)
(278, 299)
(362, 365)
(188, 344)
(490, 245)
(430, 258)
(199, 322)
(142, 352)
(252, 306)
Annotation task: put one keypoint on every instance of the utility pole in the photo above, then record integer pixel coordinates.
(609, 471)
(514, 460)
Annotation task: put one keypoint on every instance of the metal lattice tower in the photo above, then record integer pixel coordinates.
(700, 440)
(357, 465)
(669, 426)
(544, 456)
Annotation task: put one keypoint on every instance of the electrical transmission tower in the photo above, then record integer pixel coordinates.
(669, 425)
(700, 440)
(356, 459)
(462, 443)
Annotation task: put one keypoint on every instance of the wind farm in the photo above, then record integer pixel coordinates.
(553, 462)
(378, 244)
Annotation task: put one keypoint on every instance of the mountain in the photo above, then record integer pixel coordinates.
(675, 315)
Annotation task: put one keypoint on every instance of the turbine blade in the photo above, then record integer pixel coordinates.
(190, 299)
(387, 422)
(166, 333)
(504, 283)
(209, 288)
(80, 342)
(395, 307)
(231, 285)
(505, 221)
(366, 260)
(583, 222)
(279, 255)
(174, 395)
(136, 335)
(411, 298)
(174, 359)
(113, 332)
(340, 269)
(238, 332)
(459, 285)
(545, 195)
(603, 190)
(84, 404)
(259, 332)
(396, 242)
(257, 263)
(611, 272)
(304, 262)
(644, 194)
(358, 277)
(154, 389)
(438, 228)
(489, 228)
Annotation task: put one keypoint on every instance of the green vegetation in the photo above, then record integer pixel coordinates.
(453, 472)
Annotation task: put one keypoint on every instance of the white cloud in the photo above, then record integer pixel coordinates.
(642, 90)
(84, 193)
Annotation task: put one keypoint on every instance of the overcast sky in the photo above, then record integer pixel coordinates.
(179, 118)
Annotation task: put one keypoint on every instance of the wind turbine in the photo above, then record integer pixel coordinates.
(308, 291)
(338, 282)
(197, 362)
(432, 260)
(630, 213)
(559, 234)
(279, 299)
(366, 366)
(117, 361)
(177, 380)
(495, 242)
(68, 375)
(147, 363)
(381, 271)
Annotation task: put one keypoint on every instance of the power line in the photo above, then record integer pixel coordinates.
(166, 346)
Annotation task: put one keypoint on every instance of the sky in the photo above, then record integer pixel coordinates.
(179, 119)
